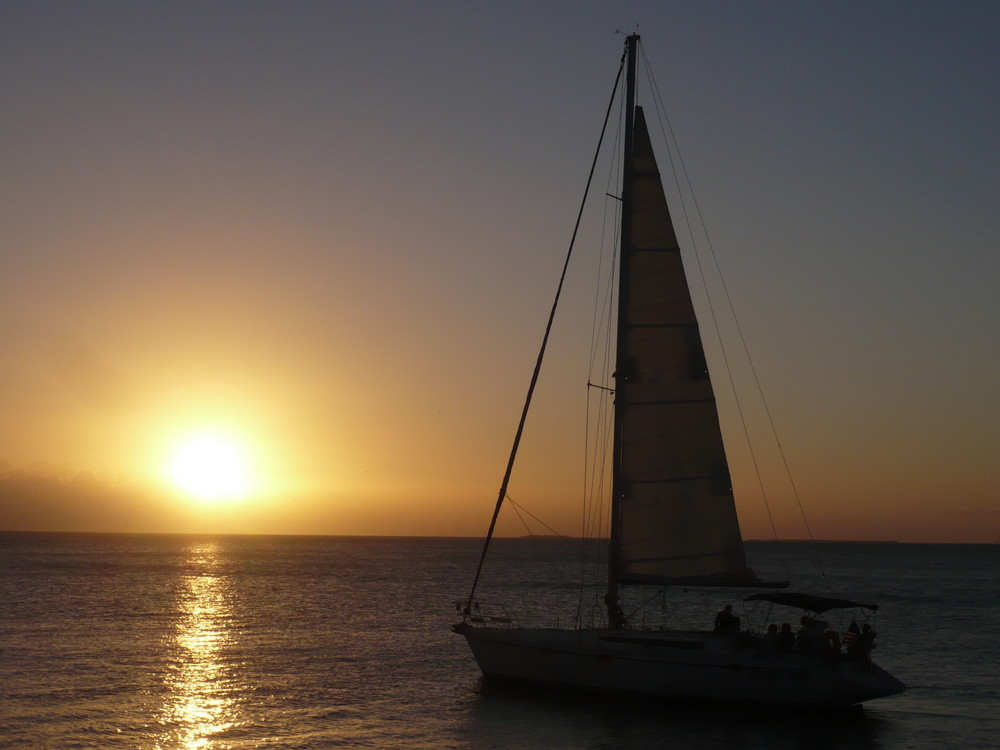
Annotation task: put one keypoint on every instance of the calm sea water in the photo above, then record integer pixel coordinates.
(290, 642)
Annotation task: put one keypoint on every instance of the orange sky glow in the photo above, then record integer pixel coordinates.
(338, 250)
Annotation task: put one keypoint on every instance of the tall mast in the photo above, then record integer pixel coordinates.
(615, 618)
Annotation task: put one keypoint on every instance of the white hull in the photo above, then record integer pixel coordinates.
(692, 665)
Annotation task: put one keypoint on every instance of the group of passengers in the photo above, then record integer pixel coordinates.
(814, 637)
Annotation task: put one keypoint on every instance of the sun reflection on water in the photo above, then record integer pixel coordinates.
(201, 686)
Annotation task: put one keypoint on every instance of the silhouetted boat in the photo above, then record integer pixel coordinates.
(674, 520)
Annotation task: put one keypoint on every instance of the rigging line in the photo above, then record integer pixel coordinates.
(517, 512)
(595, 463)
(541, 351)
(595, 456)
(614, 178)
(591, 495)
(736, 320)
(604, 314)
(521, 509)
(591, 505)
(603, 394)
(583, 519)
(661, 114)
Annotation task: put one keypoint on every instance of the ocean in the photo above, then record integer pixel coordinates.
(212, 642)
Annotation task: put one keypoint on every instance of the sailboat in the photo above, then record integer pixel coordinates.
(673, 515)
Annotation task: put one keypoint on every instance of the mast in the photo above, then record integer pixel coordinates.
(615, 618)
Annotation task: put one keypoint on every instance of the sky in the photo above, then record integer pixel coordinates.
(328, 235)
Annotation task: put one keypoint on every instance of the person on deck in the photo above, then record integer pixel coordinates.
(786, 638)
(811, 637)
(867, 638)
(865, 644)
(726, 621)
(769, 643)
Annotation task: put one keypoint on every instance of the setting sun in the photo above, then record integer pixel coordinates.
(210, 467)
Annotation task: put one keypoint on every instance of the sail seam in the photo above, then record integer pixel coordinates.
(635, 326)
(672, 402)
(670, 480)
(694, 556)
(656, 249)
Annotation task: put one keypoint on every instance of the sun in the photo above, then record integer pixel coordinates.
(210, 467)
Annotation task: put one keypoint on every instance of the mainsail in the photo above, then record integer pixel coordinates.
(677, 519)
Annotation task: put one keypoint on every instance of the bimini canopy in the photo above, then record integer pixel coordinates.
(807, 601)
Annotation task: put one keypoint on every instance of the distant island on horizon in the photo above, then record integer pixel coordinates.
(538, 537)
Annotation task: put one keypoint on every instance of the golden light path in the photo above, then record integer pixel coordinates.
(201, 703)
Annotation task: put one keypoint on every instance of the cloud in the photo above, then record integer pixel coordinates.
(51, 499)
